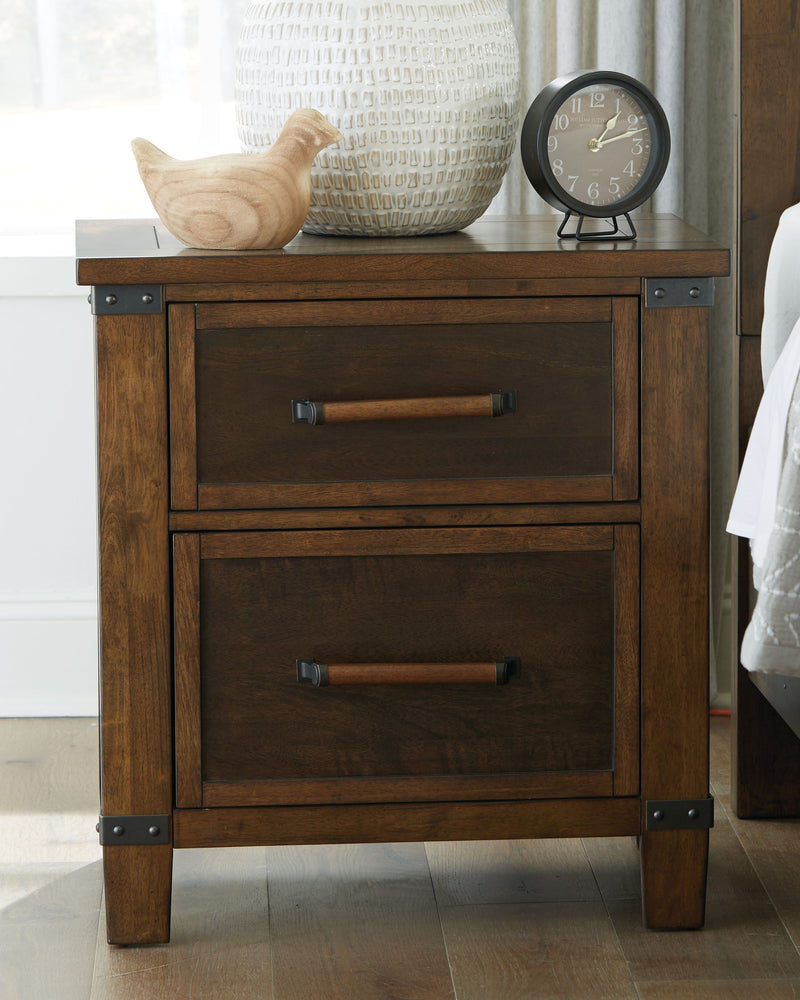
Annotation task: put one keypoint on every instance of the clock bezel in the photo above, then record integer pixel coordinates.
(536, 127)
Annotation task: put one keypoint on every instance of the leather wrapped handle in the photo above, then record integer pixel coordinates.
(490, 404)
(310, 671)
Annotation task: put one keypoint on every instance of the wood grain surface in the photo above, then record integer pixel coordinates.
(674, 651)
(135, 614)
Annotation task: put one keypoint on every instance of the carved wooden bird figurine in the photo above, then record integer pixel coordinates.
(238, 201)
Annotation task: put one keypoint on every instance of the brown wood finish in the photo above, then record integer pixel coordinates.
(429, 408)
(542, 489)
(402, 312)
(411, 673)
(674, 650)
(422, 541)
(183, 426)
(131, 252)
(135, 693)
(540, 562)
(490, 788)
(188, 737)
(626, 398)
(627, 693)
(412, 517)
(407, 821)
(553, 352)
(497, 589)
(304, 291)
(766, 753)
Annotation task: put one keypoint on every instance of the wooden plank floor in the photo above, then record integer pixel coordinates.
(516, 920)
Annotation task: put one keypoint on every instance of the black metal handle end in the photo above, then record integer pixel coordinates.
(304, 411)
(311, 672)
(504, 401)
(510, 666)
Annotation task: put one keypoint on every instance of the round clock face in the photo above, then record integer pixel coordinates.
(595, 143)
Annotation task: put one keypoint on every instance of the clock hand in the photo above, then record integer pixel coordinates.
(611, 123)
(622, 135)
(594, 144)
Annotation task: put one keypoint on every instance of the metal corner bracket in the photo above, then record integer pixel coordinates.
(680, 814)
(669, 293)
(127, 830)
(126, 300)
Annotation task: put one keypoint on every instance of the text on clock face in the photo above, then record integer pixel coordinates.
(598, 144)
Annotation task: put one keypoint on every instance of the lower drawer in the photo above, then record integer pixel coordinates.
(396, 696)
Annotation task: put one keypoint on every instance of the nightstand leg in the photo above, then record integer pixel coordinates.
(674, 866)
(138, 891)
(674, 651)
(135, 618)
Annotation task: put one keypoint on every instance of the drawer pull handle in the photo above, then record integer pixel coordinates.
(490, 404)
(323, 674)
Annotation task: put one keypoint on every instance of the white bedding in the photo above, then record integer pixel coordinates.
(766, 506)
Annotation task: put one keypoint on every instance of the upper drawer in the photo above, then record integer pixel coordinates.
(422, 421)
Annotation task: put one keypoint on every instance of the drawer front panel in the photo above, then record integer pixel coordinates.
(433, 610)
(402, 407)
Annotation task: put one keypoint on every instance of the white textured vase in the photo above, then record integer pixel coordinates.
(426, 96)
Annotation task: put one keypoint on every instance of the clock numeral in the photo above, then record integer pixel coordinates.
(561, 122)
(630, 169)
(638, 148)
(574, 181)
(598, 99)
(633, 120)
(552, 144)
(593, 191)
(576, 105)
(613, 186)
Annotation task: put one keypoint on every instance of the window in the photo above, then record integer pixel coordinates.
(80, 78)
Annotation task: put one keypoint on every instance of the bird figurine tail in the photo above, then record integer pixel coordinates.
(238, 201)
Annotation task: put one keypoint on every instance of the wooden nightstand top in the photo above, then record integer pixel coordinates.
(134, 251)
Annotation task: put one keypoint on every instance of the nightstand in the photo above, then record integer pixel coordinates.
(402, 540)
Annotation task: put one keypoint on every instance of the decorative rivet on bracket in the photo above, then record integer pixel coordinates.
(126, 830)
(680, 814)
(119, 300)
(676, 292)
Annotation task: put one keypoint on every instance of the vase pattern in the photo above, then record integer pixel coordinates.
(426, 96)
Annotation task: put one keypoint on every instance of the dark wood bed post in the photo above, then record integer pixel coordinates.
(766, 753)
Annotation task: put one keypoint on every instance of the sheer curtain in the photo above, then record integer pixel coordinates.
(685, 52)
(80, 78)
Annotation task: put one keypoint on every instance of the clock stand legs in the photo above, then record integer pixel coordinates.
(594, 237)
